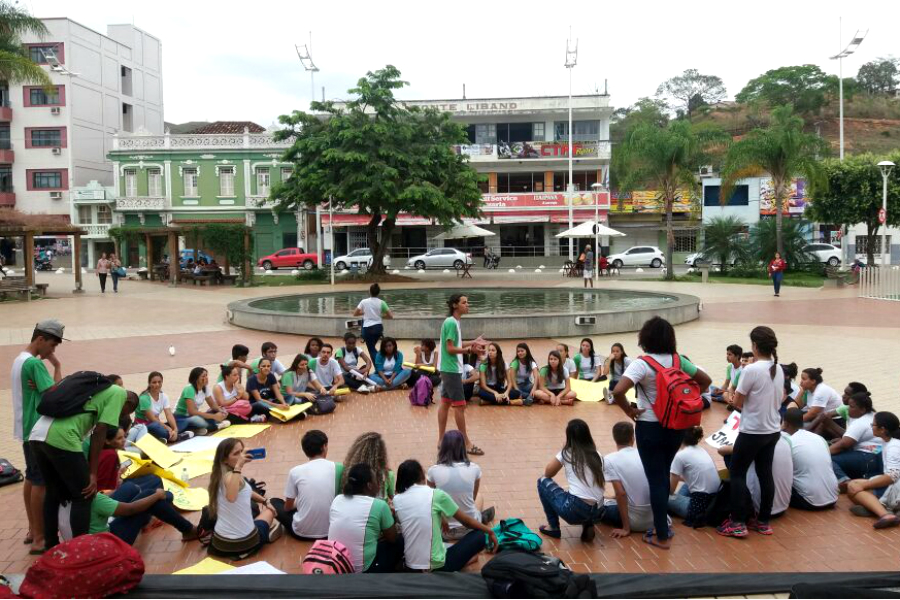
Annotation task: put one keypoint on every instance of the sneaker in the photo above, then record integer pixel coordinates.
(731, 529)
(607, 396)
(201, 431)
(362, 389)
(759, 527)
(185, 435)
(861, 511)
(258, 419)
(276, 531)
(223, 424)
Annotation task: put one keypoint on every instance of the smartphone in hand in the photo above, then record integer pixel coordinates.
(257, 453)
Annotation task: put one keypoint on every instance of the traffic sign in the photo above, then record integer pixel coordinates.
(882, 216)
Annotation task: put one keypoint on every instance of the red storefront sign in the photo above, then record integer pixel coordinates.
(543, 200)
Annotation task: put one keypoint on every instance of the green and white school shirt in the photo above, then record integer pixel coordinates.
(357, 523)
(68, 433)
(583, 365)
(197, 396)
(733, 374)
(450, 330)
(419, 511)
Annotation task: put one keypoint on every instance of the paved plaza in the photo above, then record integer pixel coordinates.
(129, 333)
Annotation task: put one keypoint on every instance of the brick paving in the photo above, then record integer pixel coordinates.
(130, 334)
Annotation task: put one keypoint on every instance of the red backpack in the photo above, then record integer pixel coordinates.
(678, 403)
(327, 558)
(89, 566)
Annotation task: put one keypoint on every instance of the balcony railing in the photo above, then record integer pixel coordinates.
(96, 229)
(198, 142)
(139, 204)
(536, 150)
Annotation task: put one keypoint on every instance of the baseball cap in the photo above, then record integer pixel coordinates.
(51, 326)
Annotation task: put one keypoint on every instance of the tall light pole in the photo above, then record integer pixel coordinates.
(886, 167)
(571, 61)
(304, 53)
(597, 188)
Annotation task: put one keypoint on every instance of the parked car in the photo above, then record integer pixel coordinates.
(639, 256)
(825, 253)
(440, 258)
(360, 256)
(289, 257)
(188, 254)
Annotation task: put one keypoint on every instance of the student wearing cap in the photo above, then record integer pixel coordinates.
(30, 379)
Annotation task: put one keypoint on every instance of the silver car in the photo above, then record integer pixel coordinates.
(440, 258)
(360, 256)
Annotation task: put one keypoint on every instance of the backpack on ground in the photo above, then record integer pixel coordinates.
(89, 566)
(8, 473)
(69, 396)
(327, 558)
(678, 403)
(322, 405)
(422, 392)
(516, 574)
(513, 534)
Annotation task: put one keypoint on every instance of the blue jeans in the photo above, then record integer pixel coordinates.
(460, 553)
(128, 528)
(115, 279)
(680, 501)
(158, 430)
(488, 396)
(399, 379)
(777, 276)
(854, 464)
(525, 388)
(657, 447)
(371, 335)
(194, 422)
(557, 503)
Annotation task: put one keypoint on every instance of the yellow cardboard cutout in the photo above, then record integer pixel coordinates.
(207, 566)
(426, 368)
(590, 391)
(241, 431)
(196, 467)
(187, 498)
(157, 451)
(341, 391)
(285, 415)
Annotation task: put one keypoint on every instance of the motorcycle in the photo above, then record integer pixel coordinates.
(493, 261)
(42, 264)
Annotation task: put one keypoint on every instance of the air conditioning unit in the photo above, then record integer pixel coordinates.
(585, 320)
(56, 151)
(706, 171)
(56, 195)
(54, 110)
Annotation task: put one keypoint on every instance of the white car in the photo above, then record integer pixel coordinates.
(825, 253)
(639, 256)
(360, 256)
(440, 258)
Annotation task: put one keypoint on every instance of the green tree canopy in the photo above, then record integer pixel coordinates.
(765, 237)
(783, 151)
(379, 157)
(691, 90)
(804, 86)
(854, 195)
(15, 64)
(879, 76)
(723, 242)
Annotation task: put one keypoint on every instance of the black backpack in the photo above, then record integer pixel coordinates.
(8, 473)
(322, 405)
(69, 396)
(518, 574)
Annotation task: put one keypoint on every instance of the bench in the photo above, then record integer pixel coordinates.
(17, 287)
(42, 289)
(202, 279)
(229, 279)
(144, 275)
(834, 277)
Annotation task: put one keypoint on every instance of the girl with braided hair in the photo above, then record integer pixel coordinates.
(758, 395)
(369, 448)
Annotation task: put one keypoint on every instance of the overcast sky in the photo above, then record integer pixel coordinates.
(232, 60)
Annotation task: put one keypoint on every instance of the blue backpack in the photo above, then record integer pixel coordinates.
(422, 392)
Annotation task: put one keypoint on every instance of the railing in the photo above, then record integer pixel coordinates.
(477, 252)
(535, 150)
(198, 141)
(97, 230)
(140, 203)
(880, 283)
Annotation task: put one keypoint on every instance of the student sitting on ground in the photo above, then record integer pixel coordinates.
(370, 448)
(553, 383)
(299, 383)
(495, 386)
(523, 371)
(471, 374)
(732, 373)
(110, 470)
(313, 347)
(240, 354)
(263, 388)
(614, 368)
(815, 485)
(865, 493)
(817, 397)
(568, 363)
(364, 523)
(830, 424)
(236, 532)
(154, 404)
(426, 355)
(270, 351)
(309, 490)
(588, 364)
(695, 467)
(133, 430)
(189, 413)
(461, 479)
(327, 371)
(420, 510)
(234, 399)
(630, 509)
(858, 453)
(582, 504)
(790, 371)
(389, 371)
(355, 364)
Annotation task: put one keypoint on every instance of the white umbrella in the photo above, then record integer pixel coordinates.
(461, 232)
(589, 229)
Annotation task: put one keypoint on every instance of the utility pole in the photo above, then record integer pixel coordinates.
(304, 53)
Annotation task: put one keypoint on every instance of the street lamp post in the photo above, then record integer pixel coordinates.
(597, 187)
(571, 61)
(886, 167)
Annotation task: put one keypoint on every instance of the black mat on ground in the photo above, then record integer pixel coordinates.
(815, 590)
(466, 585)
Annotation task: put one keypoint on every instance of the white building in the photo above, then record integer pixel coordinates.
(52, 142)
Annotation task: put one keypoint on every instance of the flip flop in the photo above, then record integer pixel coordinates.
(476, 451)
(650, 538)
(37, 552)
(887, 521)
(28, 540)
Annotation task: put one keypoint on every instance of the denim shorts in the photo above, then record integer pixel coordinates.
(32, 472)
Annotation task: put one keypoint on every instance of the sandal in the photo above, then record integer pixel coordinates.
(552, 533)
(475, 451)
(650, 538)
(28, 540)
(887, 521)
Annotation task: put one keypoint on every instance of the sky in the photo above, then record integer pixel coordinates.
(232, 60)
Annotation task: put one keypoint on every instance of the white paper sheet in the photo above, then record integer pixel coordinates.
(197, 444)
(257, 568)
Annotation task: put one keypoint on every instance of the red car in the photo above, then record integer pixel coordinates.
(289, 257)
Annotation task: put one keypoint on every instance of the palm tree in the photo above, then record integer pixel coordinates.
(666, 157)
(783, 151)
(764, 237)
(16, 65)
(722, 241)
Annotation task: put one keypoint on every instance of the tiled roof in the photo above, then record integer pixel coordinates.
(228, 127)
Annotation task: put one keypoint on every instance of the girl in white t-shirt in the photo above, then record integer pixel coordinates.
(553, 386)
(237, 533)
(615, 364)
(568, 363)
(866, 492)
(695, 467)
(582, 504)
(817, 397)
(460, 478)
(857, 454)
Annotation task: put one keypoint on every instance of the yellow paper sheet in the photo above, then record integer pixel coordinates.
(426, 368)
(207, 566)
(187, 498)
(204, 454)
(285, 415)
(241, 431)
(589, 391)
(157, 451)
(196, 467)
(341, 391)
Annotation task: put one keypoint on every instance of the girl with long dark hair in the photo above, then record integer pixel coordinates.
(553, 386)
(188, 411)
(154, 404)
(858, 453)
(588, 363)
(866, 493)
(496, 386)
(523, 371)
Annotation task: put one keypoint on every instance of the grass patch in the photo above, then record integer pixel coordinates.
(800, 279)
